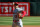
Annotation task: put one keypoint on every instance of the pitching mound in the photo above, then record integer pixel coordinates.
(24, 26)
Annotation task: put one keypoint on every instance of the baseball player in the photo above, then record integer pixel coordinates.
(18, 14)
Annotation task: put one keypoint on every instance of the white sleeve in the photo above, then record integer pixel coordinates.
(20, 9)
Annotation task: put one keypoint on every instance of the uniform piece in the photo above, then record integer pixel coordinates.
(16, 19)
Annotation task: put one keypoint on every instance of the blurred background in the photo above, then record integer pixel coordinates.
(33, 17)
(34, 6)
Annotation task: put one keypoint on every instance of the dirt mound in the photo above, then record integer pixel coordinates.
(24, 26)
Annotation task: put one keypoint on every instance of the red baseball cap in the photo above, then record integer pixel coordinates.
(15, 3)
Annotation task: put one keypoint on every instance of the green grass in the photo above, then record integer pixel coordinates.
(26, 20)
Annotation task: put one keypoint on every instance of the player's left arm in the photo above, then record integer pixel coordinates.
(23, 14)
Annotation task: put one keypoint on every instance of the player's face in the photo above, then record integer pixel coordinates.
(16, 6)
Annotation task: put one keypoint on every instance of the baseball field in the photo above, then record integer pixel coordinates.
(27, 21)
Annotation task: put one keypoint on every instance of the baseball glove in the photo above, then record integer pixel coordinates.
(20, 17)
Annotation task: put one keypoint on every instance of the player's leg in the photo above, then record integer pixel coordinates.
(14, 24)
(20, 24)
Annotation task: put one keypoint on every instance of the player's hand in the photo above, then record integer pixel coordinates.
(20, 17)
